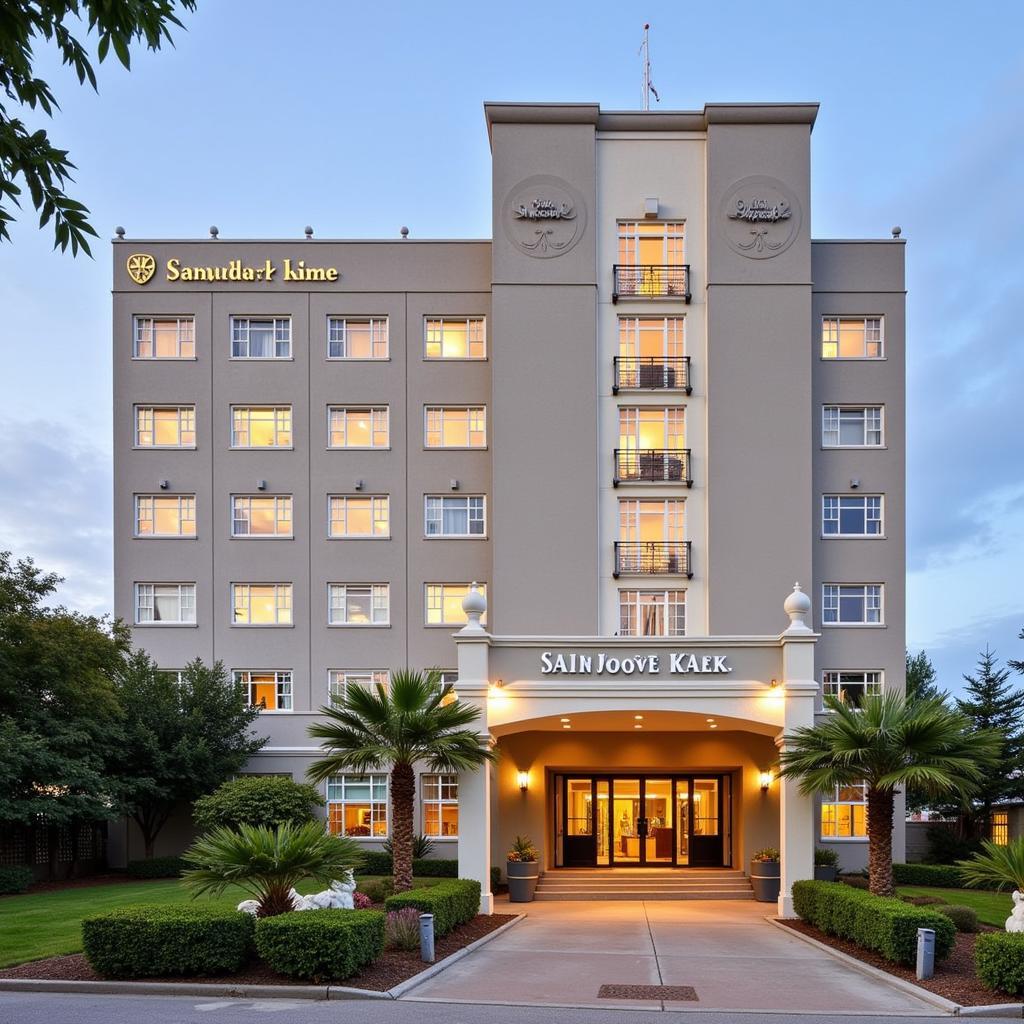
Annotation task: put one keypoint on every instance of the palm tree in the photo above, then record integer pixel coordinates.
(997, 866)
(267, 862)
(414, 719)
(889, 742)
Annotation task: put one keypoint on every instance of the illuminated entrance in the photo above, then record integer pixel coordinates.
(643, 820)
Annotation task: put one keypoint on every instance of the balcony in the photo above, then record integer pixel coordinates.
(652, 373)
(646, 558)
(650, 281)
(652, 465)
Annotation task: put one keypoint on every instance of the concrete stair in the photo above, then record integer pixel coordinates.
(644, 884)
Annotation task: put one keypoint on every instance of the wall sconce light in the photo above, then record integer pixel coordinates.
(523, 779)
(358, 485)
(261, 485)
(774, 684)
(453, 484)
(164, 484)
(766, 781)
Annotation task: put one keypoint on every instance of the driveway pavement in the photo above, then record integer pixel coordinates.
(735, 960)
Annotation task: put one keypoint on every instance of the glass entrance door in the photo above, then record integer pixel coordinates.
(641, 821)
(627, 822)
(706, 838)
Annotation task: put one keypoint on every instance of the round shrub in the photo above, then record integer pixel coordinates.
(999, 961)
(377, 891)
(257, 800)
(321, 945)
(15, 880)
(151, 941)
(965, 918)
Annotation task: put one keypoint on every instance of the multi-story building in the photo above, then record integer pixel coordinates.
(632, 418)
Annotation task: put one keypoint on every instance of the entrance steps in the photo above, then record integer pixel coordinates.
(644, 884)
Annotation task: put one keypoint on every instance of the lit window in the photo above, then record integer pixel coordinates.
(851, 515)
(171, 426)
(851, 426)
(357, 338)
(845, 337)
(165, 515)
(357, 805)
(652, 429)
(261, 426)
(652, 613)
(267, 690)
(165, 604)
(340, 680)
(651, 243)
(651, 353)
(261, 604)
(259, 515)
(444, 603)
(857, 604)
(851, 687)
(264, 338)
(165, 337)
(999, 829)
(358, 604)
(358, 428)
(440, 805)
(456, 427)
(845, 815)
(461, 516)
(455, 338)
(643, 520)
(357, 515)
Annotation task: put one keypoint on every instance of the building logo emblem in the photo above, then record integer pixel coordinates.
(760, 217)
(141, 267)
(544, 216)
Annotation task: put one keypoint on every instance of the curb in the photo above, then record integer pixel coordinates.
(993, 1010)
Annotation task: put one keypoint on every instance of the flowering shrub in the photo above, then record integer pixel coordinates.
(766, 855)
(402, 929)
(361, 901)
(522, 850)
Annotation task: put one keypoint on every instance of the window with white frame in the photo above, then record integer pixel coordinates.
(358, 604)
(852, 604)
(266, 689)
(357, 805)
(454, 338)
(165, 426)
(648, 428)
(652, 613)
(261, 515)
(358, 427)
(455, 426)
(261, 604)
(359, 515)
(440, 797)
(652, 520)
(165, 604)
(165, 337)
(448, 677)
(341, 680)
(454, 516)
(444, 603)
(844, 813)
(363, 337)
(651, 243)
(261, 337)
(851, 686)
(851, 515)
(261, 426)
(851, 337)
(848, 426)
(165, 515)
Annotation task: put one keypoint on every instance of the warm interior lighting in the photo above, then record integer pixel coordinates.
(638, 726)
(766, 781)
(523, 780)
(565, 719)
(638, 718)
(713, 725)
(708, 719)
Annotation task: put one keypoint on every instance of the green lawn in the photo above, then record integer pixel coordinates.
(993, 907)
(44, 924)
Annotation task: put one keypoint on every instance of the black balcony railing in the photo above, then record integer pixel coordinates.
(643, 558)
(636, 373)
(652, 465)
(650, 281)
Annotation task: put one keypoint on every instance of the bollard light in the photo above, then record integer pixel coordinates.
(427, 938)
(925, 953)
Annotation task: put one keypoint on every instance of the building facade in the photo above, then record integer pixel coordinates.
(632, 418)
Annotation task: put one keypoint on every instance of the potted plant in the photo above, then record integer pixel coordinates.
(826, 864)
(765, 875)
(521, 869)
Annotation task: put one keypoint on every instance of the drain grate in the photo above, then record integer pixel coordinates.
(681, 993)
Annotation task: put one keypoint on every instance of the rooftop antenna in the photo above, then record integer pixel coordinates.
(645, 53)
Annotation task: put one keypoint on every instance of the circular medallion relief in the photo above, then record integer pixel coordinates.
(544, 216)
(760, 217)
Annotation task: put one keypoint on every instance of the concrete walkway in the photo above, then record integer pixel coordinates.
(726, 950)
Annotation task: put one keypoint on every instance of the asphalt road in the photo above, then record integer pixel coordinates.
(44, 1008)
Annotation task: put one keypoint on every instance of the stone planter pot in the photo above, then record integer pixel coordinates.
(765, 877)
(825, 872)
(522, 880)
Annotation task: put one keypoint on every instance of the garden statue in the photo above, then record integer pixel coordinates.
(1015, 922)
(337, 897)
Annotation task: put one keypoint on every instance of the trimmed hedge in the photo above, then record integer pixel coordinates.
(378, 863)
(942, 876)
(375, 863)
(156, 867)
(150, 941)
(15, 880)
(965, 919)
(321, 945)
(451, 902)
(887, 926)
(999, 961)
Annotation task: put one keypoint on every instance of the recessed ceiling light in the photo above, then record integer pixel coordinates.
(638, 726)
(565, 719)
(566, 726)
(708, 719)
(638, 718)
(713, 725)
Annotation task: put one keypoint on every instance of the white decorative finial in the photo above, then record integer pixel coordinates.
(474, 604)
(798, 607)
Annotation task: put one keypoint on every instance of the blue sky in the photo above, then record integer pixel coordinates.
(268, 116)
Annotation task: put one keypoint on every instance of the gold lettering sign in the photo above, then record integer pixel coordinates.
(142, 267)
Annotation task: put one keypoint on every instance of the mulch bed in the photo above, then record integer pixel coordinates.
(394, 967)
(954, 977)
